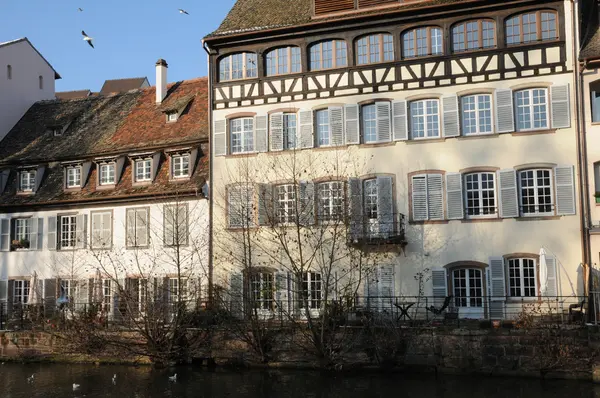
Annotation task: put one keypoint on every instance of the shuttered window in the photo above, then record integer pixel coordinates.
(101, 230)
(290, 123)
(285, 203)
(374, 49)
(425, 119)
(241, 134)
(175, 225)
(376, 122)
(68, 232)
(240, 206)
(281, 61)
(421, 42)
(180, 165)
(262, 290)
(138, 227)
(427, 197)
(531, 109)
(21, 291)
(522, 277)
(473, 35)
(312, 290)
(331, 201)
(531, 27)
(237, 66)
(476, 114)
(536, 192)
(467, 285)
(328, 54)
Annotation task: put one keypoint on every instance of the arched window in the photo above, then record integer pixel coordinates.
(531, 27)
(41, 82)
(536, 195)
(473, 35)
(375, 48)
(283, 60)
(522, 280)
(421, 42)
(468, 291)
(8, 72)
(328, 54)
(237, 66)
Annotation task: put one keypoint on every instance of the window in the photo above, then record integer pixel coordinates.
(68, 289)
(143, 170)
(331, 201)
(242, 135)
(101, 230)
(107, 173)
(476, 114)
(595, 101)
(107, 299)
(73, 176)
(281, 61)
(68, 232)
(9, 72)
(240, 206)
(370, 198)
(285, 203)
(289, 130)
(172, 116)
(329, 54)
(237, 66)
(375, 48)
(473, 35)
(41, 82)
(180, 165)
(177, 292)
(311, 290)
(323, 131)
(531, 27)
(176, 225)
(138, 227)
(369, 123)
(21, 291)
(22, 232)
(27, 180)
(480, 195)
(521, 277)
(468, 288)
(57, 131)
(532, 109)
(261, 290)
(536, 192)
(425, 119)
(421, 42)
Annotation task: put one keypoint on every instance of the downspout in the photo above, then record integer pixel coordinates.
(210, 181)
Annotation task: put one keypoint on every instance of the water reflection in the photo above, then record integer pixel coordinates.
(143, 382)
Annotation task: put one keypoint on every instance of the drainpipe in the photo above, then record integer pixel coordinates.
(210, 181)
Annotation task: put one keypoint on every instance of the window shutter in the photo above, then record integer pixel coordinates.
(84, 287)
(505, 122)
(261, 140)
(220, 137)
(371, 287)
(336, 122)
(3, 291)
(81, 231)
(281, 292)
(169, 225)
(39, 176)
(560, 106)
(106, 230)
(454, 198)
(4, 234)
(10, 295)
(265, 201)
(356, 207)
(400, 120)
(130, 226)
(234, 206)
(386, 286)
(307, 139)
(33, 233)
(383, 121)
(565, 190)
(141, 227)
(96, 233)
(385, 206)
(40, 233)
(450, 108)
(439, 282)
(351, 113)
(435, 197)
(52, 223)
(498, 285)
(419, 198)
(276, 131)
(236, 295)
(509, 201)
(182, 224)
(307, 203)
(4, 180)
(552, 273)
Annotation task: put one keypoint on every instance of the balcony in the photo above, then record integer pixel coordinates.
(384, 230)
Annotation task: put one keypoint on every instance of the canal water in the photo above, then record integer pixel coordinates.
(51, 381)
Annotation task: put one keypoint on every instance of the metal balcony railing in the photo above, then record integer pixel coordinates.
(383, 229)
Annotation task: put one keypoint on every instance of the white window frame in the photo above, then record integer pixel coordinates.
(97, 241)
(478, 114)
(262, 290)
(425, 116)
(104, 175)
(326, 124)
(178, 169)
(75, 172)
(331, 206)
(531, 109)
(67, 232)
(312, 287)
(23, 224)
(145, 165)
(27, 180)
(69, 287)
(245, 130)
(535, 188)
(172, 116)
(286, 196)
(373, 121)
(468, 300)
(519, 262)
(480, 192)
(249, 66)
(21, 289)
(107, 296)
(289, 125)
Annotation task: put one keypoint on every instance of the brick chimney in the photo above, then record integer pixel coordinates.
(161, 80)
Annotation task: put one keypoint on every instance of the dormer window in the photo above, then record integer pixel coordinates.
(56, 131)
(106, 173)
(180, 165)
(143, 170)
(73, 176)
(27, 180)
(172, 116)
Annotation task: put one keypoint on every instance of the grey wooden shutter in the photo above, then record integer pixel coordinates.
(236, 295)
(384, 133)
(40, 234)
(81, 231)
(497, 280)
(552, 281)
(565, 190)
(49, 298)
(10, 296)
(106, 232)
(351, 113)
(454, 197)
(371, 287)
(83, 291)
(265, 202)
(234, 206)
(39, 176)
(130, 227)
(385, 206)
(419, 198)
(261, 139)
(276, 131)
(355, 207)
(307, 203)
(560, 106)
(439, 283)
(220, 138)
(509, 199)
(435, 196)
(5, 234)
(52, 224)
(386, 287)
(96, 231)
(169, 225)
(155, 164)
(336, 123)
(281, 292)
(450, 109)
(33, 233)
(505, 122)
(3, 292)
(142, 225)
(400, 120)
(307, 139)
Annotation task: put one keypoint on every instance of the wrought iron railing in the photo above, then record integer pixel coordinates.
(377, 230)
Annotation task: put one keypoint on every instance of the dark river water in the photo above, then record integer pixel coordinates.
(96, 381)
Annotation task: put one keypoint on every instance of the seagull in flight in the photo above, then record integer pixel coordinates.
(80, 9)
(173, 378)
(87, 38)
(182, 11)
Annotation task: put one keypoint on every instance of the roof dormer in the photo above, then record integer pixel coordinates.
(173, 109)
(323, 7)
(58, 130)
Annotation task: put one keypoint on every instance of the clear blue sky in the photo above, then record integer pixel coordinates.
(129, 36)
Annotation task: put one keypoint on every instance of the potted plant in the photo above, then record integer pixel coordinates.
(19, 244)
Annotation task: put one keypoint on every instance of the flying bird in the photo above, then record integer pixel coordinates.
(80, 9)
(87, 38)
(76, 387)
(173, 378)
(182, 11)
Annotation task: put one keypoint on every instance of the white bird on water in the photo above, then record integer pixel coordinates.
(114, 379)
(76, 387)
(173, 378)
(87, 38)
(30, 379)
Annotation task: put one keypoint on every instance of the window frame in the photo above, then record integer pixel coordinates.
(245, 75)
(103, 167)
(480, 38)
(24, 289)
(468, 299)
(329, 202)
(335, 60)
(273, 56)
(246, 135)
(25, 224)
(538, 24)
(177, 171)
(312, 290)
(263, 298)
(480, 191)
(318, 125)
(96, 242)
(373, 121)
(477, 112)
(531, 106)
(425, 115)
(133, 244)
(428, 38)
(171, 241)
(288, 203)
(172, 117)
(521, 278)
(68, 184)
(286, 131)
(381, 51)
(247, 212)
(536, 195)
(70, 241)
(30, 180)
(143, 162)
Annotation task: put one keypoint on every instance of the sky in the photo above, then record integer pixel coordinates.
(129, 36)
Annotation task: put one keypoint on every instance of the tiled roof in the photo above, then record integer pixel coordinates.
(248, 16)
(592, 49)
(64, 95)
(122, 85)
(24, 39)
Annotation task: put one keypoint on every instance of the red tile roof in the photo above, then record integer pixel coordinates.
(123, 85)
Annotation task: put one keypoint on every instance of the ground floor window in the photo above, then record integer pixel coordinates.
(521, 277)
(311, 290)
(21, 292)
(468, 287)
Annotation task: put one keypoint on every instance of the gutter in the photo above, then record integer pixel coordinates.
(210, 178)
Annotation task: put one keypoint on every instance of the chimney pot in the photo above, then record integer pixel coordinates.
(161, 80)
